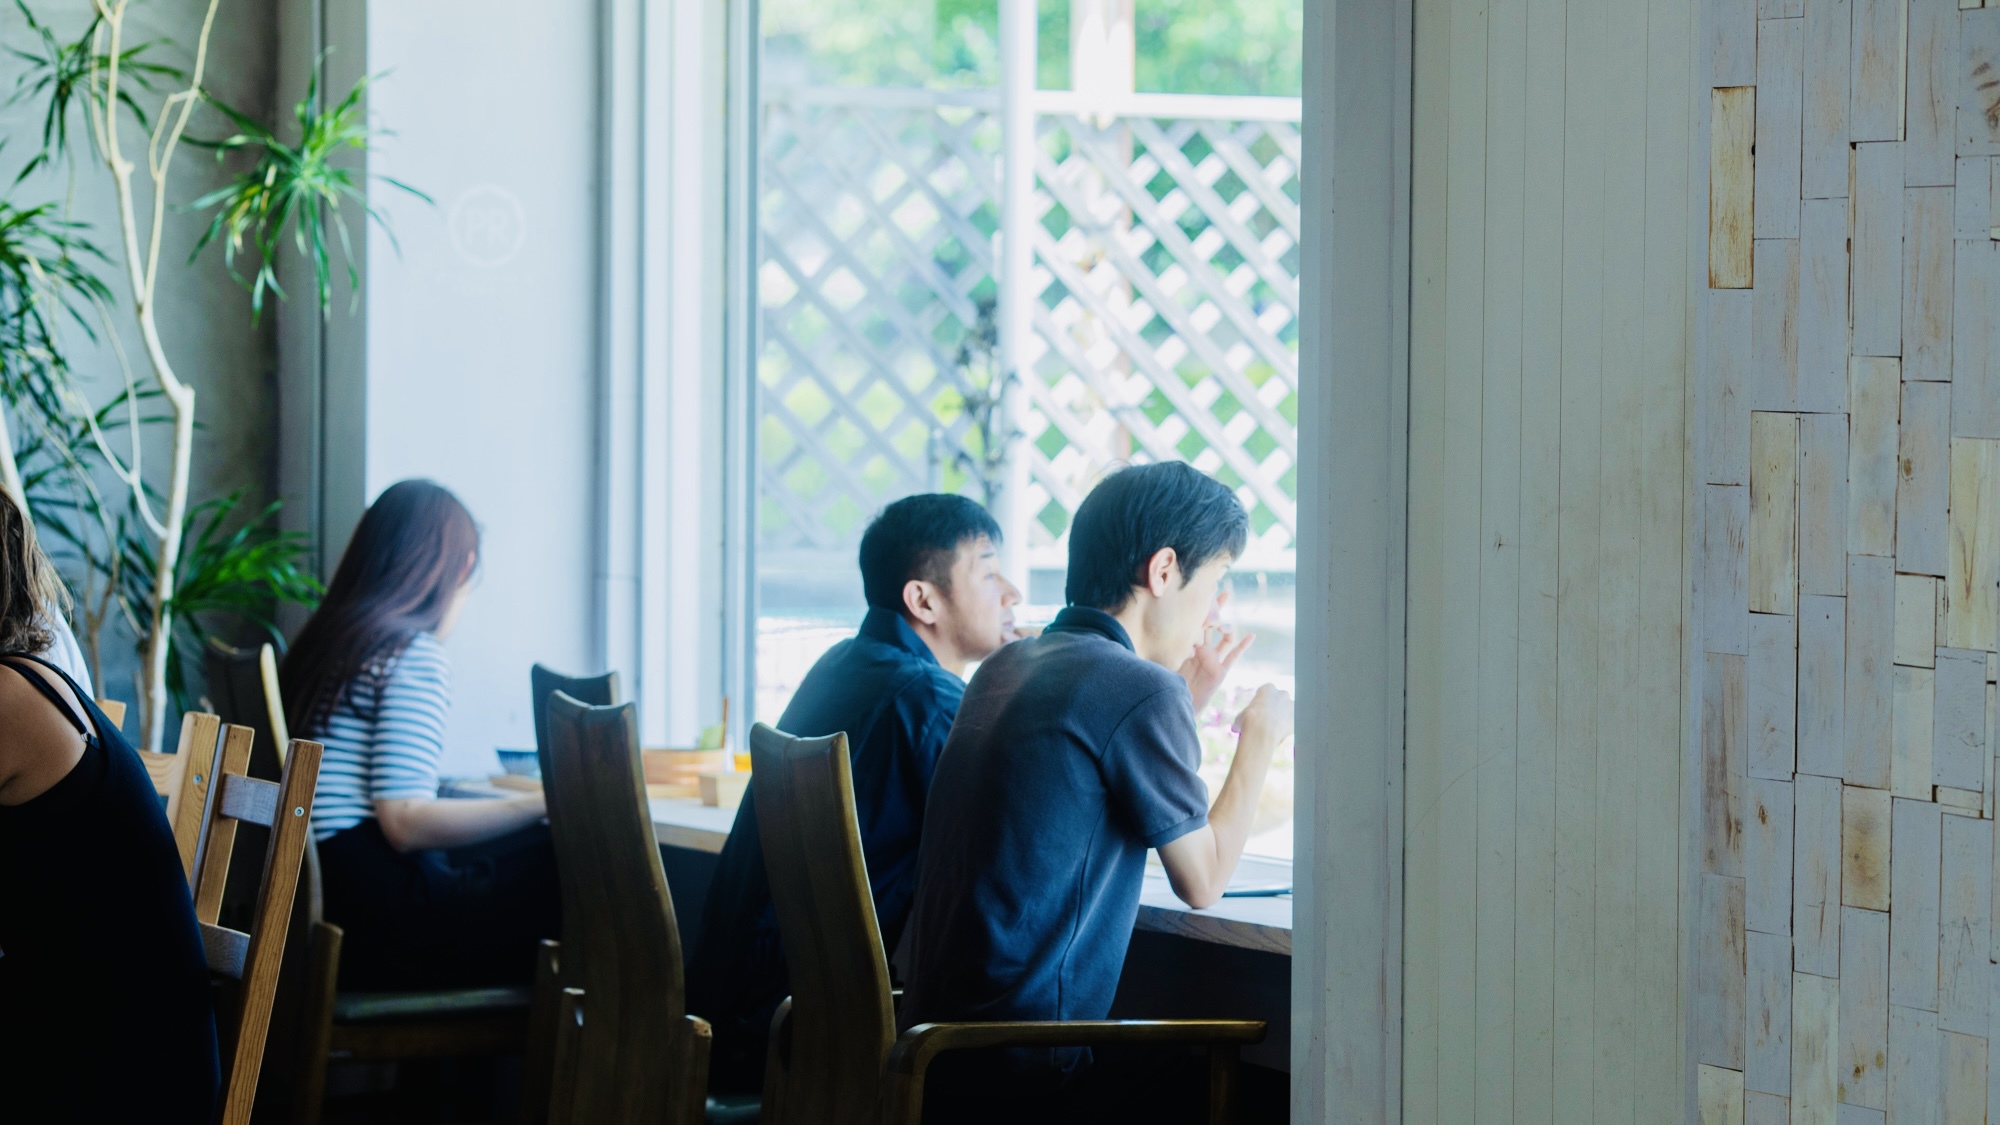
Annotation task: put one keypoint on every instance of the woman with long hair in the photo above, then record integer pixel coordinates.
(432, 893)
(105, 1012)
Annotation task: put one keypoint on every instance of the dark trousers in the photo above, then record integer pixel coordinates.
(456, 918)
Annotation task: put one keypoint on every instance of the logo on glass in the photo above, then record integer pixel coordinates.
(488, 226)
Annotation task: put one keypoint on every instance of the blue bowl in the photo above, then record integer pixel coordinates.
(520, 763)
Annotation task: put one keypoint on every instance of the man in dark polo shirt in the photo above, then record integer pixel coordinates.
(937, 601)
(1074, 753)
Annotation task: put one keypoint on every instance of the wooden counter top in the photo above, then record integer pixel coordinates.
(684, 822)
(1263, 924)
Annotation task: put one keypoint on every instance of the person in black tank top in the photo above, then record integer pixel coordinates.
(105, 1011)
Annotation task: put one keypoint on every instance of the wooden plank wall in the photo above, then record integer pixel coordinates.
(1849, 568)
(1560, 247)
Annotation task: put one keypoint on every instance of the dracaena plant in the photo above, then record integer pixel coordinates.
(151, 557)
(242, 569)
(45, 278)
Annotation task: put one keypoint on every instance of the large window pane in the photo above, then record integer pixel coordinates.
(1163, 300)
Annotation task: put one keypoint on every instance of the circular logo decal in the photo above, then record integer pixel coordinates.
(488, 226)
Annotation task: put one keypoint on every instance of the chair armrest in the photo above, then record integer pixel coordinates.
(903, 1088)
(914, 1051)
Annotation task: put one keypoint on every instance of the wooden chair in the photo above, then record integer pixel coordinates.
(114, 710)
(385, 1026)
(182, 779)
(629, 1050)
(597, 691)
(253, 958)
(835, 1056)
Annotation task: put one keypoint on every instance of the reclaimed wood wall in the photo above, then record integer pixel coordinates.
(1558, 251)
(1848, 590)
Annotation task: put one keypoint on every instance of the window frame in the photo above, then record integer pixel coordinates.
(1354, 330)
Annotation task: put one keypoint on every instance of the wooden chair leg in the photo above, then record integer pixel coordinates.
(562, 1082)
(1222, 1077)
(540, 1056)
(316, 1037)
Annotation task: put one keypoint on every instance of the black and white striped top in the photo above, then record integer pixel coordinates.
(384, 738)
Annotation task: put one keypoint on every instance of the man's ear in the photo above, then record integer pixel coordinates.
(920, 601)
(1162, 571)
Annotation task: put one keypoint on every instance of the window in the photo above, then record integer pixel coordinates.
(1157, 295)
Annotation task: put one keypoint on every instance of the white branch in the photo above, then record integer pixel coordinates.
(143, 272)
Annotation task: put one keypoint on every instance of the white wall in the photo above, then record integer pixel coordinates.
(546, 343)
(481, 345)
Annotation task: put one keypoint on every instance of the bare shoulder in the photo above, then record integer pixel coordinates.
(38, 745)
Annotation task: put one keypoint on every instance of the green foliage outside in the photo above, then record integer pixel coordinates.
(1183, 46)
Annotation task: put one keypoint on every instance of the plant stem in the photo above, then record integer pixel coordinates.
(143, 274)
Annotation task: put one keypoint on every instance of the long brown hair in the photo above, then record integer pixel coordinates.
(407, 558)
(29, 589)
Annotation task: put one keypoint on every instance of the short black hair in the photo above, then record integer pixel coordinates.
(918, 537)
(1136, 511)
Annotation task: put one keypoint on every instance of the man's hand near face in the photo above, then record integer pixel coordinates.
(1213, 658)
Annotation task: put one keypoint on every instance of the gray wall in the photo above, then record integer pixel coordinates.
(204, 316)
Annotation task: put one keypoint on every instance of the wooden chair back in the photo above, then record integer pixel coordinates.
(183, 778)
(114, 710)
(635, 1055)
(243, 689)
(253, 958)
(543, 682)
(594, 691)
(537, 1073)
(842, 1020)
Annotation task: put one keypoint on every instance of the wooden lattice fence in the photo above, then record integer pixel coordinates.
(1163, 298)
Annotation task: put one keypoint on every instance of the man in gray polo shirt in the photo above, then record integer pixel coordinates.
(1072, 755)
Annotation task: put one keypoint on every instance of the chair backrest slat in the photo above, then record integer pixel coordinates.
(219, 842)
(182, 779)
(621, 943)
(595, 691)
(227, 949)
(248, 799)
(274, 699)
(187, 805)
(114, 709)
(842, 1019)
(165, 772)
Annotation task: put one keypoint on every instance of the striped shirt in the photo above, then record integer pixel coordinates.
(384, 738)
